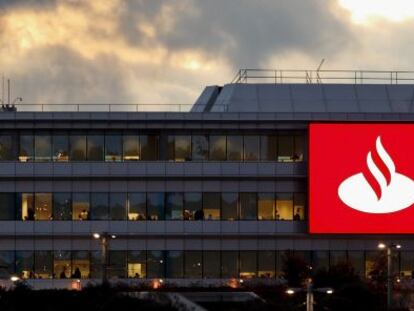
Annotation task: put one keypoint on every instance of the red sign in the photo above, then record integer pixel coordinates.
(361, 178)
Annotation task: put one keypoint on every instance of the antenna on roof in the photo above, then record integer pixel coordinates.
(318, 78)
(9, 106)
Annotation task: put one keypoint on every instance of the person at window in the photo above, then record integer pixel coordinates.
(199, 215)
(210, 217)
(297, 215)
(277, 216)
(136, 276)
(83, 215)
(63, 274)
(30, 214)
(77, 274)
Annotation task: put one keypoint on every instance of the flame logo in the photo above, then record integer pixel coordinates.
(381, 189)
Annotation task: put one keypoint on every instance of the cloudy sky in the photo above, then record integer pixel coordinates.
(154, 51)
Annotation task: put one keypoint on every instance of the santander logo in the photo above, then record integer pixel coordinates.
(382, 189)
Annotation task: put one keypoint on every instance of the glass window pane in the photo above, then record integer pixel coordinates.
(337, 257)
(229, 264)
(26, 147)
(25, 264)
(234, 148)
(266, 262)
(6, 264)
(193, 206)
(266, 206)
(175, 262)
(62, 206)
(248, 264)
(174, 208)
(320, 260)
(7, 206)
(356, 260)
(117, 206)
(113, 148)
(43, 147)
(299, 206)
(80, 265)
(43, 264)
(60, 148)
(62, 264)
(149, 147)
(117, 264)
(285, 148)
(248, 206)
(8, 148)
(407, 263)
(251, 148)
(155, 264)
(131, 148)
(200, 148)
(80, 206)
(268, 148)
(99, 206)
(179, 148)
(229, 205)
(217, 148)
(211, 264)
(95, 147)
(284, 206)
(96, 264)
(43, 206)
(155, 205)
(299, 148)
(77, 147)
(137, 264)
(27, 206)
(193, 266)
(211, 205)
(137, 206)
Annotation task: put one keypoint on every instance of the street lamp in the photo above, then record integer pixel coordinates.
(309, 293)
(104, 239)
(389, 248)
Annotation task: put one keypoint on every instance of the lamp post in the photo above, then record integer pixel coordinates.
(389, 248)
(309, 293)
(104, 238)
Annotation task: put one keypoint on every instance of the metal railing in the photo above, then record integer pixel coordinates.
(86, 107)
(323, 76)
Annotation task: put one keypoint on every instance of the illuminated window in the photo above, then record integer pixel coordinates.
(248, 206)
(266, 206)
(174, 207)
(80, 206)
(174, 265)
(95, 146)
(155, 205)
(284, 206)
(248, 264)
(131, 147)
(43, 264)
(27, 206)
(25, 264)
(99, 206)
(137, 264)
(268, 148)
(193, 206)
(234, 148)
(217, 148)
(62, 264)
(179, 148)
(299, 206)
(26, 147)
(229, 264)
(155, 264)
(229, 205)
(211, 205)
(113, 148)
(80, 265)
(212, 266)
(43, 147)
(137, 208)
(193, 264)
(43, 206)
(199, 148)
(7, 206)
(117, 206)
(6, 264)
(60, 144)
(251, 148)
(77, 147)
(149, 147)
(62, 206)
(117, 264)
(8, 148)
(266, 262)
